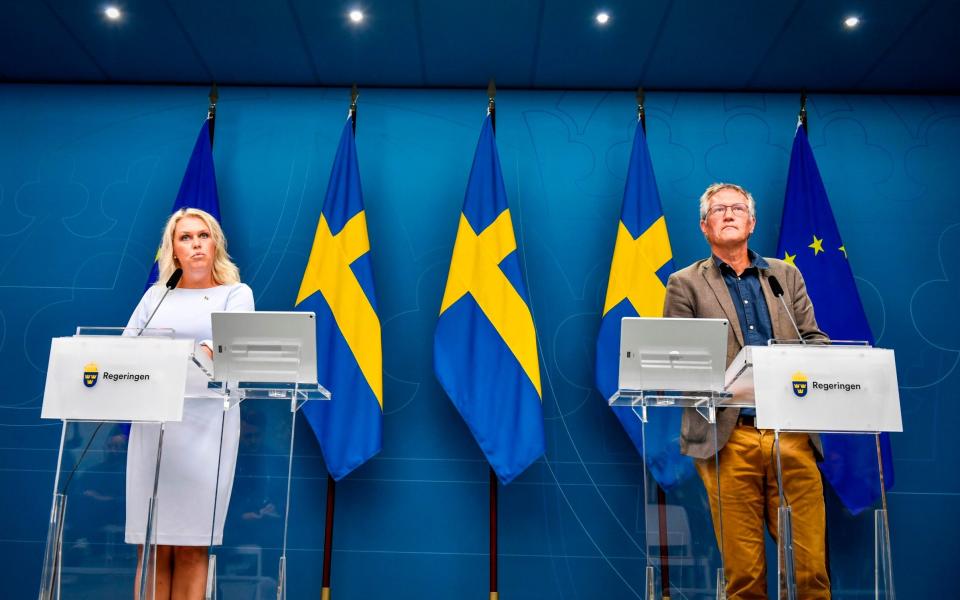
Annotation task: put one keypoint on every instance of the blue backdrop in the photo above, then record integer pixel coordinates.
(88, 175)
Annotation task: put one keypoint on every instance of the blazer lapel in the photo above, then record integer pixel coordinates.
(715, 280)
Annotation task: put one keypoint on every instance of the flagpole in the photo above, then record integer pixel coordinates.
(212, 109)
(661, 494)
(331, 482)
(494, 594)
(328, 538)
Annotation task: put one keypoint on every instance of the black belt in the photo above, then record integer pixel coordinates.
(747, 420)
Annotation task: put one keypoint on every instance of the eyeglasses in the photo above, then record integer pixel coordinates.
(738, 210)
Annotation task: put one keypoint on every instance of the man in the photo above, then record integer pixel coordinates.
(733, 284)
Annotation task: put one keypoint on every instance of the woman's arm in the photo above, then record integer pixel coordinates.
(240, 299)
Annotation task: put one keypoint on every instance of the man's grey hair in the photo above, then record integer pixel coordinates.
(716, 187)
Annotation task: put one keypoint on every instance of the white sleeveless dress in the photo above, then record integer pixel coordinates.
(191, 501)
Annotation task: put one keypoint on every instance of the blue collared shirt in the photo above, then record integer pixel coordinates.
(747, 296)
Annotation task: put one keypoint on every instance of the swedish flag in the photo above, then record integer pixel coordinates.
(338, 286)
(642, 262)
(198, 188)
(485, 347)
(810, 240)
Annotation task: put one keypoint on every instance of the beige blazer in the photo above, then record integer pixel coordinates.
(700, 291)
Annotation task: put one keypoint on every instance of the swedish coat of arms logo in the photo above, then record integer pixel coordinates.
(90, 374)
(799, 384)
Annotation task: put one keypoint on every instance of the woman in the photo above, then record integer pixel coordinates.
(191, 503)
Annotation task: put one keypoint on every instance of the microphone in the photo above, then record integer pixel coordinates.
(170, 285)
(777, 290)
(175, 279)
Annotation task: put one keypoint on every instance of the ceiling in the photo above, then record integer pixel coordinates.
(900, 46)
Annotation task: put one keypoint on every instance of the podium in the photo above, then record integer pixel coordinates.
(667, 367)
(101, 376)
(836, 388)
(109, 377)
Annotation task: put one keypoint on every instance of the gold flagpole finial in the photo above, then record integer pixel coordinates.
(492, 102)
(212, 109)
(641, 111)
(214, 96)
(491, 95)
(354, 94)
(802, 117)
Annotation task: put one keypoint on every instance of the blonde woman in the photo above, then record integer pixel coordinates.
(192, 502)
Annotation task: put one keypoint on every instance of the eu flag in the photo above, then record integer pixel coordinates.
(198, 189)
(810, 240)
(485, 347)
(338, 286)
(642, 262)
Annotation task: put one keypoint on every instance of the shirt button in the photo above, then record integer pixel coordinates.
(751, 327)
(746, 302)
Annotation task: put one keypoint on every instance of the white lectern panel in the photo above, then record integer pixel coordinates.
(826, 388)
(115, 378)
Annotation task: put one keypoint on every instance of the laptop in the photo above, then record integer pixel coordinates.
(687, 355)
(263, 346)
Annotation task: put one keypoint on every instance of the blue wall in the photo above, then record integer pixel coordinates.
(88, 174)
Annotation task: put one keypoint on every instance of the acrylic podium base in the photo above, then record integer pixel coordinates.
(296, 394)
(650, 586)
(883, 559)
(667, 526)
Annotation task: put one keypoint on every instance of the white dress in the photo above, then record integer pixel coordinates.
(191, 448)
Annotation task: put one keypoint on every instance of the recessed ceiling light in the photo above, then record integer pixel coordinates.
(603, 17)
(112, 13)
(356, 15)
(851, 22)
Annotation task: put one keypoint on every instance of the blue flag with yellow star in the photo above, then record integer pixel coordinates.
(485, 346)
(338, 286)
(642, 262)
(198, 188)
(810, 240)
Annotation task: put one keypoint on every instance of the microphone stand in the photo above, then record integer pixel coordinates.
(787, 578)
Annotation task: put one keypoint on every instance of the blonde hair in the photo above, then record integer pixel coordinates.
(224, 271)
(716, 187)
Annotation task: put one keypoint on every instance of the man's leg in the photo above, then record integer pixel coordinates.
(742, 495)
(804, 492)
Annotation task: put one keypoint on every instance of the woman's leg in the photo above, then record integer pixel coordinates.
(189, 572)
(164, 558)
